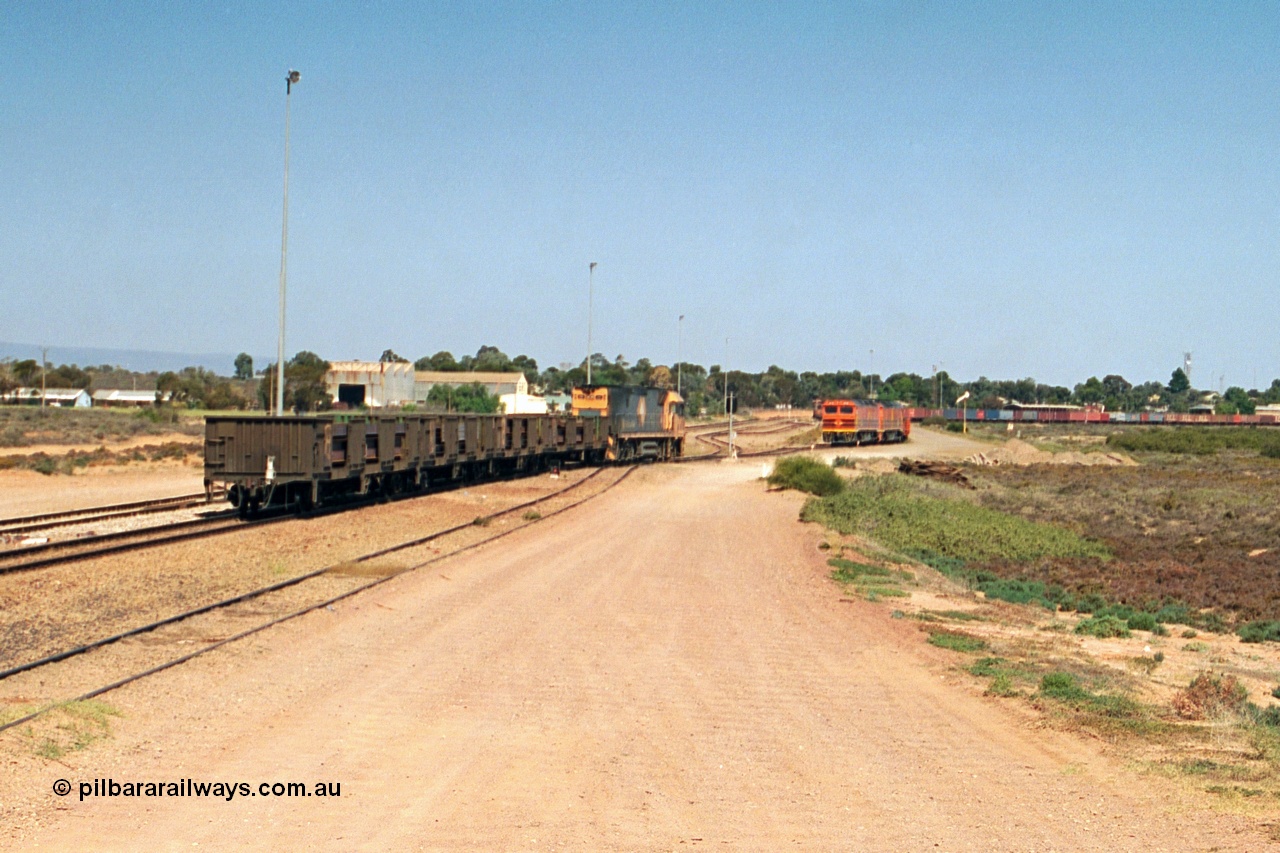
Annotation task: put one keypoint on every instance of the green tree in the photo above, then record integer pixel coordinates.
(304, 382)
(1178, 382)
(463, 398)
(244, 366)
(442, 360)
(1090, 391)
(1240, 400)
(390, 356)
(26, 371)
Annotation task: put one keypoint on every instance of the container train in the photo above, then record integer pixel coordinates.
(862, 422)
(307, 460)
(1091, 415)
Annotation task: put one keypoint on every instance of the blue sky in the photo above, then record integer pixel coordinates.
(1008, 189)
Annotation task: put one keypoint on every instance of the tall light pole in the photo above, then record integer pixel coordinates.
(591, 274)
(727, 410)
(292, 78)
(680, 346)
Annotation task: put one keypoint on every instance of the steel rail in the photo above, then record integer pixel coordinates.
(301, 612)
(89, 516)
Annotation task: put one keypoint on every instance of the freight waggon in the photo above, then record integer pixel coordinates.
(307, 460)
(862, 422)
(1091, 415)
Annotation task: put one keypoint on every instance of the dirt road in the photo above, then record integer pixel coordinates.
(666, 668)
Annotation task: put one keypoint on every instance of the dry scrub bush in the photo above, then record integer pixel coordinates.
(1210, 696)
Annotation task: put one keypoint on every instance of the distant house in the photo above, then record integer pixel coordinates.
(496, 384)
(372, 384)
(121, 398)
(67, 398)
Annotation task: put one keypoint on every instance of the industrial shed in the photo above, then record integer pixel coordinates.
(496, 384)
(371, 384)
(69, 398)
(119, 397)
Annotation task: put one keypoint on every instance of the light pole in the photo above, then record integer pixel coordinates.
(292, 78)
(680, 346)
(871, 375)
(591, 274)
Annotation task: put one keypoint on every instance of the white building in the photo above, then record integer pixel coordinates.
(123, 397)
(496, 384)
(68, 398)
(372, 384)
(523, 404)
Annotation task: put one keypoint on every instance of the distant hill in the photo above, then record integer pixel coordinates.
(138, 360)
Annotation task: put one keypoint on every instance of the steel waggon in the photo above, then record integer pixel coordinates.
(862, 422)
(304, 461)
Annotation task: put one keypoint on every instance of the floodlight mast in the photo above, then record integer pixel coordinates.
(591, 274)
(293, 77)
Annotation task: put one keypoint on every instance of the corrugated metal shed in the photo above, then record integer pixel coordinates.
(495, 383)
(123, 397)
(375, 384)
(77, 398)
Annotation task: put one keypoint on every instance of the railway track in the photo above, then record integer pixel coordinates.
(54, 553)
(293, 583)
(40, 556)
(64, 518)
(719, 441)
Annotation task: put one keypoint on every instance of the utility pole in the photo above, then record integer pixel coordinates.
(728, 410)
(44, 368)
(293, 77)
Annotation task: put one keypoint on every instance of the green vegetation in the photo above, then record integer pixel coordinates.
(463, 398)
(907, 516)
(1103, 627)
(1196, 440)
(23, 426)
(806, 474)
(1066, 688)
(1260, 631)
(957, 642)
(75, 726)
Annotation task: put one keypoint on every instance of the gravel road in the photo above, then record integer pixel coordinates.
(665, 668)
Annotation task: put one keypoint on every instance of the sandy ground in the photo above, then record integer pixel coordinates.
(28, 493)
(665, 668)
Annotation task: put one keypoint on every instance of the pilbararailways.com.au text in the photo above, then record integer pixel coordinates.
(191, 788)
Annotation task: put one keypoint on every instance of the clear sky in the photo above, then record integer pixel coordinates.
(1008, 189)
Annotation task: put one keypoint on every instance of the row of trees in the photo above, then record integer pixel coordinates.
(702, 387)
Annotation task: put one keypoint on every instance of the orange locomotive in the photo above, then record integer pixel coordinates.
(862, 422)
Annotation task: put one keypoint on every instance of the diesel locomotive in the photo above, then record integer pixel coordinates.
(862, 422)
